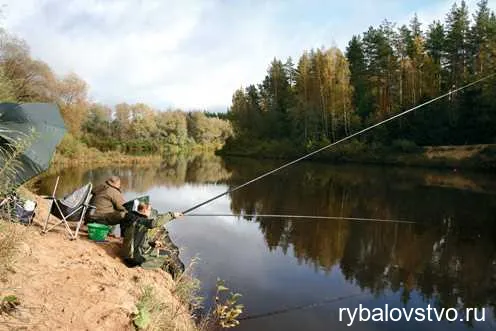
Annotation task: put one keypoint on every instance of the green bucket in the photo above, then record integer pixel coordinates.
(98, 231)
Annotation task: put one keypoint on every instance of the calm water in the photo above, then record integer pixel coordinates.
(447, 259)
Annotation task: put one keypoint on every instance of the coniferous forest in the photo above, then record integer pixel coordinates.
(329, 93)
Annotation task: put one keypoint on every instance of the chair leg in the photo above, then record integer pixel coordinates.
(48, 216)
(31, 219)
(83, 213)
(33, 215)
(51, 205)
(63, 220)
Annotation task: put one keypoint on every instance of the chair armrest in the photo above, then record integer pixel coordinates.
(91, 207)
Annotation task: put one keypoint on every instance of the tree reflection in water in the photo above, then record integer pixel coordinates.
(174, 171)
(449, 256)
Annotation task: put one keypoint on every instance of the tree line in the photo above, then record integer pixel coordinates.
(329, 94)
(125, 127)
(139, 127)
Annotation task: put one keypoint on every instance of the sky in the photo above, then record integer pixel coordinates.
(192, 54)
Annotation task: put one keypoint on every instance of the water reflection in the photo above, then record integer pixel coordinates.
(447, 259)
(449, 255)
(174, 171)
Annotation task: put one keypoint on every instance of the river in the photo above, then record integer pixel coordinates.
(303, 271)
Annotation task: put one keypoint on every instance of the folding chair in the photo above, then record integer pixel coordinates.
(72, 208)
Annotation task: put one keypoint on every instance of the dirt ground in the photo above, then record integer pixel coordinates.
(453, 152)
(76, 285)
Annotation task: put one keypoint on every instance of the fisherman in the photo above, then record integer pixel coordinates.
(108, 201)
(139, 250)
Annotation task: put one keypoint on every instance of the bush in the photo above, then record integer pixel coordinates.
(354, 147)
(405, 146)
(10, 152)
(227, 311)
(70, 146)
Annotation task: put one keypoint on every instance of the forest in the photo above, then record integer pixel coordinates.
(326, 95)
(329, 94)
(125, 127)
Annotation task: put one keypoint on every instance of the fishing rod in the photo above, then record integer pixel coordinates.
(305, 217)
(337, 142)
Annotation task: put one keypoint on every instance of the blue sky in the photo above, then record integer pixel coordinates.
(191, 54)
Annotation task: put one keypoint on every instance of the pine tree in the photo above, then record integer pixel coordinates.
(435, 49)
(256, 124)
(381, 68)
(482, 40)
(300, 112)
(358, 77)
(456, 45)
(277, 95)
(239, 111)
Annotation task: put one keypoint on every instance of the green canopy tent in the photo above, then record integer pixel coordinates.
(19, 121)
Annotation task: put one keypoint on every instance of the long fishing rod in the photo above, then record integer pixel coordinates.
(337, 142)
(302, 217)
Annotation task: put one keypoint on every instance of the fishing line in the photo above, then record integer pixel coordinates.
(301, 307)
(306, 216)
(337, 142)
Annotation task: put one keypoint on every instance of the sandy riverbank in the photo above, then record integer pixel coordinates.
(79, 285)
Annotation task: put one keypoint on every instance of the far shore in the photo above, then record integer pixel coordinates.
(474, 157)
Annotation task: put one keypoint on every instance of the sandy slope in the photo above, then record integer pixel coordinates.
(77, 285)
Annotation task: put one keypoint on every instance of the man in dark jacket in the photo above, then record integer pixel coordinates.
(139, 249)
(108, 200)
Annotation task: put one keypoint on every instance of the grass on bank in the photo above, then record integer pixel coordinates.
(11, 236)
(154, 313)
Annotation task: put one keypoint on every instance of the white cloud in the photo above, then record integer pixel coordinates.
(188, 53)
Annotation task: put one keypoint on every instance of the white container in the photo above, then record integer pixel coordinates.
(29, 205)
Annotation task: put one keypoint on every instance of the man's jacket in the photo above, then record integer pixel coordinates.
(107, 199)
(137, 235)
